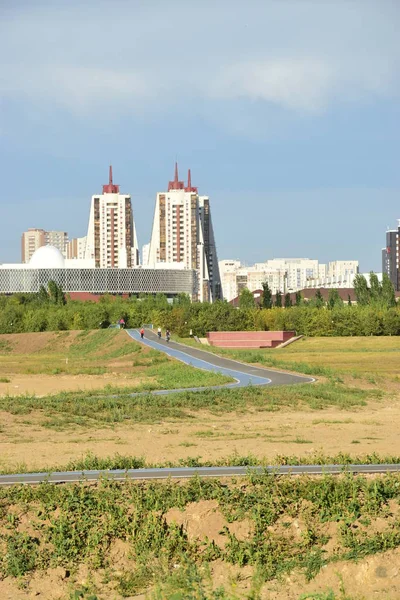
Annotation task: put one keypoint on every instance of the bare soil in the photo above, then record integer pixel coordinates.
(27, 439)
(44, 385)
(377, 576)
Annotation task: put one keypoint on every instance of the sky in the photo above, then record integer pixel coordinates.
(286, 111)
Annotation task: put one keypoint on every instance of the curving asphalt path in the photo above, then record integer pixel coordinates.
(184, 472)
(245, 374)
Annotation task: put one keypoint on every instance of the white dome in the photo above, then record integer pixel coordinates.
(47, 257)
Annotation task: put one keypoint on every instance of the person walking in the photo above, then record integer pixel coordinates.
(167, 335)
(142, 333)
(159, 333)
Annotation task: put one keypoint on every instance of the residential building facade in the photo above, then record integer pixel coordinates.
(31, 240)
(111, 240)
(339, 274)
(76, 248)
(58, 239)
(36, 238)
(391, 256)
(183, 236)
(284, 275)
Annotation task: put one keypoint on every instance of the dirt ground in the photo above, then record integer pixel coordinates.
(44, 385)
(376, 576)
(25, 439)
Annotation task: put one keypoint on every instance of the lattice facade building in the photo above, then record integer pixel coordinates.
(100, 281)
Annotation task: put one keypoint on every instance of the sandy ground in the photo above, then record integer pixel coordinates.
(44, 385)
(376, 576)
(375, 428)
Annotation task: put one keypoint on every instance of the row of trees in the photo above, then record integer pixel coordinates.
(377, 294)
(51, 311)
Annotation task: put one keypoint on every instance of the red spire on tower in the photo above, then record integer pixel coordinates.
(176, 184)
(110, 188)
(189, 187)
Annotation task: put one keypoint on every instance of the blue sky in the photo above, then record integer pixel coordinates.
(286, 111)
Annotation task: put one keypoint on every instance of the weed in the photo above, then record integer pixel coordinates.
(5, 380)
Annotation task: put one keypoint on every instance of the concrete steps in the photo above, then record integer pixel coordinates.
(249, 339)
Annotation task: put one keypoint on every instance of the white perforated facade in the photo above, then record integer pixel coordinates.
(101, 281)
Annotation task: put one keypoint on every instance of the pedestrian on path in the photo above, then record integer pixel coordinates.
(142, 333)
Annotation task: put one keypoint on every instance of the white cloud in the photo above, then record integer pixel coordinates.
(301, 56)
(293, 83)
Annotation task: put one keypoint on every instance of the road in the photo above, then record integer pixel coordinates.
(245, 374)
(184, 472)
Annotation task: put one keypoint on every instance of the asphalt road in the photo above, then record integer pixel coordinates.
(184, 472)
(245, 374)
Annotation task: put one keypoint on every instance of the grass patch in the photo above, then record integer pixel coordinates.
(5, 380)
(370, 358)
(114, 405)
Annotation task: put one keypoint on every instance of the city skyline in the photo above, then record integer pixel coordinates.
(272, 114)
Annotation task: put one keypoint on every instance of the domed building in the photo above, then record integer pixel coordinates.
(47, 257)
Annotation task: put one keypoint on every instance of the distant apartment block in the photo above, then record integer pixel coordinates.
(58, 239)
(391, 256)
(36, 238)
(284, 275)
(31, 240)
(76, 248)
(339, 274)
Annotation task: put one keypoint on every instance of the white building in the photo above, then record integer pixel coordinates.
(285, 275)
(111, 238)
(145, 255)
(298, 270)
(339, 274)
(235, 277)
(228, 270)
(183, 236)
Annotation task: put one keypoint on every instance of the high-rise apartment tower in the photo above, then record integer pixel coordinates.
(111, 239)
(391, 256)
(183, 236)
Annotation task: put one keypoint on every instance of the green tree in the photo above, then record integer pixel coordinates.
(349, 302)
(56, 294)
(246, 299)
(375, 289)
(387, 291)
(42, 296)
(361, 290)
(334, 299)
(267, 296)
(299, 299)
(278, 299)
(288, 300)
(319, 299)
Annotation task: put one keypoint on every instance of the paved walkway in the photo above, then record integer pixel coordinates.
(245, 374)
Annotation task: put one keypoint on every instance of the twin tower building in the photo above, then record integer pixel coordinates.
(182, 235)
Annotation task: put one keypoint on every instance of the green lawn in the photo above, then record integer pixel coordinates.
(367, 357)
